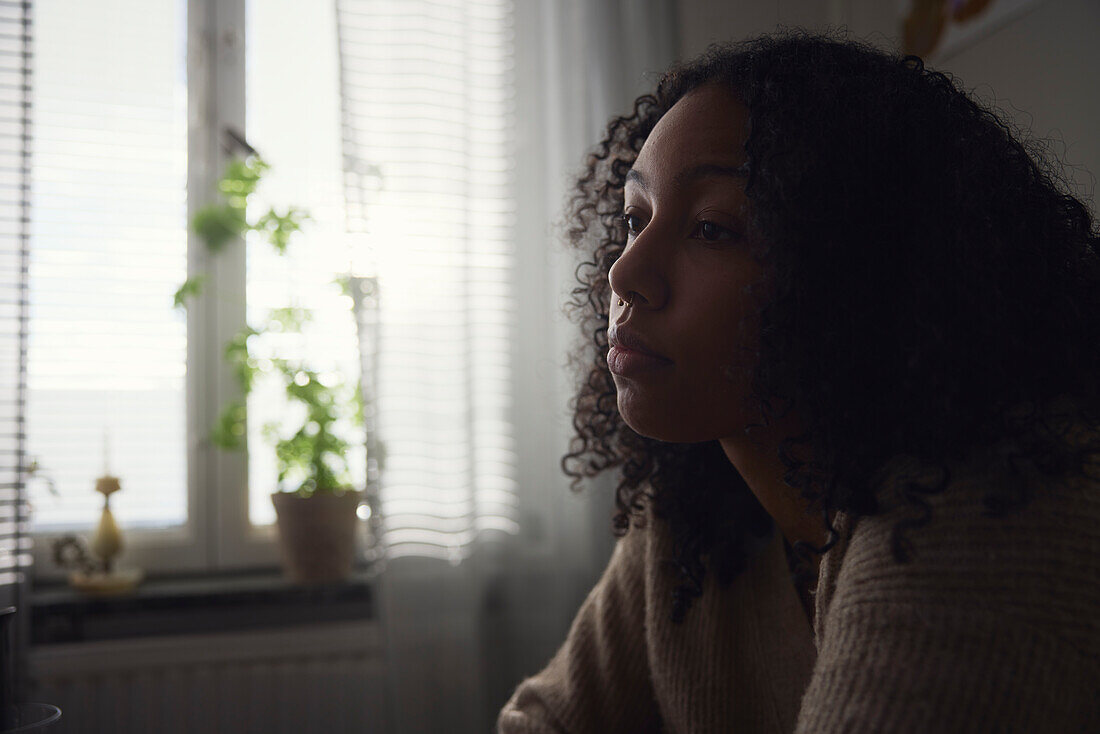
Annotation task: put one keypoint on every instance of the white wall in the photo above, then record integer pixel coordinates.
(1040, 67)
(703, 22)
(1043, 69)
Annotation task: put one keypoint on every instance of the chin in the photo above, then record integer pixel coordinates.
(668, 426)
(684, 419)
(654, 433)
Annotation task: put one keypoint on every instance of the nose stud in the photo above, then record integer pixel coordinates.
(628, 303)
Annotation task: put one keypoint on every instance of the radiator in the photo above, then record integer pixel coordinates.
(324, 678)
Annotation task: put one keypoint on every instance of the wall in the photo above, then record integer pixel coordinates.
(324, 678)
(1043, 69)
(703, 22)
(1040, 68)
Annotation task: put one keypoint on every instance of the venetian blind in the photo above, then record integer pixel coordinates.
(428, 119)
(107, 351)
(15, 101)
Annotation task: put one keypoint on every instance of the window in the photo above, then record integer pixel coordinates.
(107, 353)
(118, 377)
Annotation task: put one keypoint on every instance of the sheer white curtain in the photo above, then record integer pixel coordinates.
(464, 121)
(428, 121)
(585, 61)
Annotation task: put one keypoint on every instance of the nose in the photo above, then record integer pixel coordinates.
(638, 275)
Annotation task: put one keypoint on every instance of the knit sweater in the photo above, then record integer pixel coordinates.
(994, 626)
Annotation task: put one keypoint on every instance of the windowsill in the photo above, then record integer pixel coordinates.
(196, 604)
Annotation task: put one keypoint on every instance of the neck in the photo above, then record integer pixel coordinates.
(756, 458)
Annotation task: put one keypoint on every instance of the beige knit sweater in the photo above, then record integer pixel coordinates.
(994, 627)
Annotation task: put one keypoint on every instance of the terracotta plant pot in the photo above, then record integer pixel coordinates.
(317, 535)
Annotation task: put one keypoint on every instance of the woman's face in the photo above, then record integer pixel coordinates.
(684, 271)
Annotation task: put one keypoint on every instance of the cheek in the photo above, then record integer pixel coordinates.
(723, 353)
(718, 364)
(716, 383)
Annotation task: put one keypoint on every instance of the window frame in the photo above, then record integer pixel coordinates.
(217, 535)
(218, 477)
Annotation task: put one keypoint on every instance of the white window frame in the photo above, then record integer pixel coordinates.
(217, 478)
(217, 535)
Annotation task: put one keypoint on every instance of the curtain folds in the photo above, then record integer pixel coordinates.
(463, 124)
(427, 122)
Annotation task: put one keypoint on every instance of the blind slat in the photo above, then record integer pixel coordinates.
(15, 80)
(427, 92)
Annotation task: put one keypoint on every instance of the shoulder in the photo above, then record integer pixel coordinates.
(993, 623)
(1039, 566)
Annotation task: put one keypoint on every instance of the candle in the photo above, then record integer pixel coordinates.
(106, 484)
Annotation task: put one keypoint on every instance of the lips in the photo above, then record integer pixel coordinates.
(627, 341)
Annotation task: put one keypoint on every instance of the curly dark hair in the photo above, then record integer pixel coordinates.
(935, 292)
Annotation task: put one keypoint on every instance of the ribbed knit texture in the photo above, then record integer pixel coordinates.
(993, 627)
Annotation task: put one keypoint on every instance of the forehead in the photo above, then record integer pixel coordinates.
(706, 126)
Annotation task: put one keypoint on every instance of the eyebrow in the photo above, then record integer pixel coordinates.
(703, 170)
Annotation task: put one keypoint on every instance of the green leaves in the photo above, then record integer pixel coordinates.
(191, 287)
(238, 357)
(357, 401)
(217, 224)
(278, 228)
(288, 318)
(314, 454)
(241, 178)
(226, 221)
(231, 427)
(314, 451)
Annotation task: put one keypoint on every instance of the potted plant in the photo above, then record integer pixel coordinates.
(316, 512)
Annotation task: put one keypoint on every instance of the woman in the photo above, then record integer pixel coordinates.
(841, 324)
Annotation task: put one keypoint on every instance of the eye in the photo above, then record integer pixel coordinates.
(634, 224)
(712, 232)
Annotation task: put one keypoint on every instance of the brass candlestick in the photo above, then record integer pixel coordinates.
(106, 544)
(107, 541)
